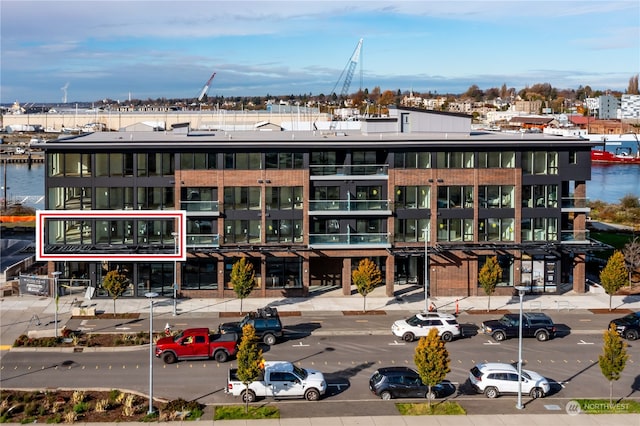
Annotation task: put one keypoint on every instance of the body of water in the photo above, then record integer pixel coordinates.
(609, 183)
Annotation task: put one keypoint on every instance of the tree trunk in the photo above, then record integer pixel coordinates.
(114, 306)
(241, 306)
(364, 303)
(488, 302)
(610, 393)
(610, 297)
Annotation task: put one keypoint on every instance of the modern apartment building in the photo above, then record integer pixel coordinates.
(304, 207)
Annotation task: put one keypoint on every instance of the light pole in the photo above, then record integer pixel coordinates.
(55, 274)
(150, 296)
(175, 273)
(519, 405)
(426, 269)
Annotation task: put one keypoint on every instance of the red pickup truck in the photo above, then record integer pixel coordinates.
(197, 343)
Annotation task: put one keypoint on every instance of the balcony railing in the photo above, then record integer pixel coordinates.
(380, 171)
(201, 207)
(574, 203)
(203, 240)
(348, 205)
(574, 236)
(369, 239)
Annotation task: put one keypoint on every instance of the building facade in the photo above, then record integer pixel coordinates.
(305, 207)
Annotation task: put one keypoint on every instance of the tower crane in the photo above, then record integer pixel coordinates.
(348, 71)
(205, 89)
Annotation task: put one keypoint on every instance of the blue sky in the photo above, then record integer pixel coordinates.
(168, 49)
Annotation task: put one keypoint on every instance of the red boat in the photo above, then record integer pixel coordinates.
(622, 155)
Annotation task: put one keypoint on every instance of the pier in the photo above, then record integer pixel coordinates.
(30, 158)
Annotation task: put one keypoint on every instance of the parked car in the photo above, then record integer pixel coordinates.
(420, 324)
(405, 382)
(197, 343)
(265, 321)
(534, 324)
(496, 378)
(20, 150)
(628, 326)
(279, 379)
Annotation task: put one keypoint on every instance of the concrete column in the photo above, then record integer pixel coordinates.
(346, 276)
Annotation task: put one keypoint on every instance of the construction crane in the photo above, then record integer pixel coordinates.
(205, 89)
(349, 69)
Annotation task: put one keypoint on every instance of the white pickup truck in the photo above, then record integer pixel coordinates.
(280, 379)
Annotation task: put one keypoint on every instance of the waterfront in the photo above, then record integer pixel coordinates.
(609, 183)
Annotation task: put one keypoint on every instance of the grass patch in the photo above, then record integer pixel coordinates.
(602, 406)
(445, 408)
(238, 412)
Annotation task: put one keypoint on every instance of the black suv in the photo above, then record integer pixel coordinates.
(404, 382)
(265, 321)
(534, 324)
(628, 326)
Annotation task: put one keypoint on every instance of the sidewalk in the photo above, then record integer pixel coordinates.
(19, 314)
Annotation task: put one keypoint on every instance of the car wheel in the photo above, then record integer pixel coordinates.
(312, 395)
(408, 337)
(248, 396)
(542, 336)
(491, 392)
(385, 395)
(220, 356)
(631, 334)
(169, 358)
(499, 336)
(536, 393)
(269, 339)
(447, 337)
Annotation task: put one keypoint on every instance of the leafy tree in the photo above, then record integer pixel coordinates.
(631, 252)
(249, 359)
(633, 88)
(614, 275)
(243, 279)
(488, 278)
(116, 284)
(614, 357)
(366, 277)
(432, 361)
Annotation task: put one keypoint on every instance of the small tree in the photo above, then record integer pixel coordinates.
(116, 284)
(366, 277)
(614, 275)
(489, 276)
(249, 358)
(243, 279)
(614, 357)
(432, 361)
(631, 253)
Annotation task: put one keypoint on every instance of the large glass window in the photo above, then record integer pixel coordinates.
(413, 197)
(454, 160)
(198, 161)
(243, 198)
(284, 197)
(451, 197)
(410, 230)
(496, 229)
(506, 264)
(71, 198)
(284, 160)
(283, 272)
(540, 196)
(199, 274)
(455, 229)
(539, 229)
(156, 198)
(540, 163)
(500, 159)
(284, 231)
(495, 196)
(412, 160)
(242, 231)
(243, 161)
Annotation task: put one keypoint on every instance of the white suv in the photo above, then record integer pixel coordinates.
(419, 326)
(495, 378)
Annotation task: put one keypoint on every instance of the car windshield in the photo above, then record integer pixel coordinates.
(414, 320)
(178, 336)
(632, 316)
(301, 372)
(526, 376)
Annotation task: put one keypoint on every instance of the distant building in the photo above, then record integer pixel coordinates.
(608, 107)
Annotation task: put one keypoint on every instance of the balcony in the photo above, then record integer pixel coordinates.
(349, 207)
(359, 172)
(574, 236)
(575, 204)
(349, 241)
(201, 208)
(203, 240)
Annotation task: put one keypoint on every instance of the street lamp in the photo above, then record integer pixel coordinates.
(150, 295)
(55, 274)
(175, 273)
(519, 405)
(426, 269)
